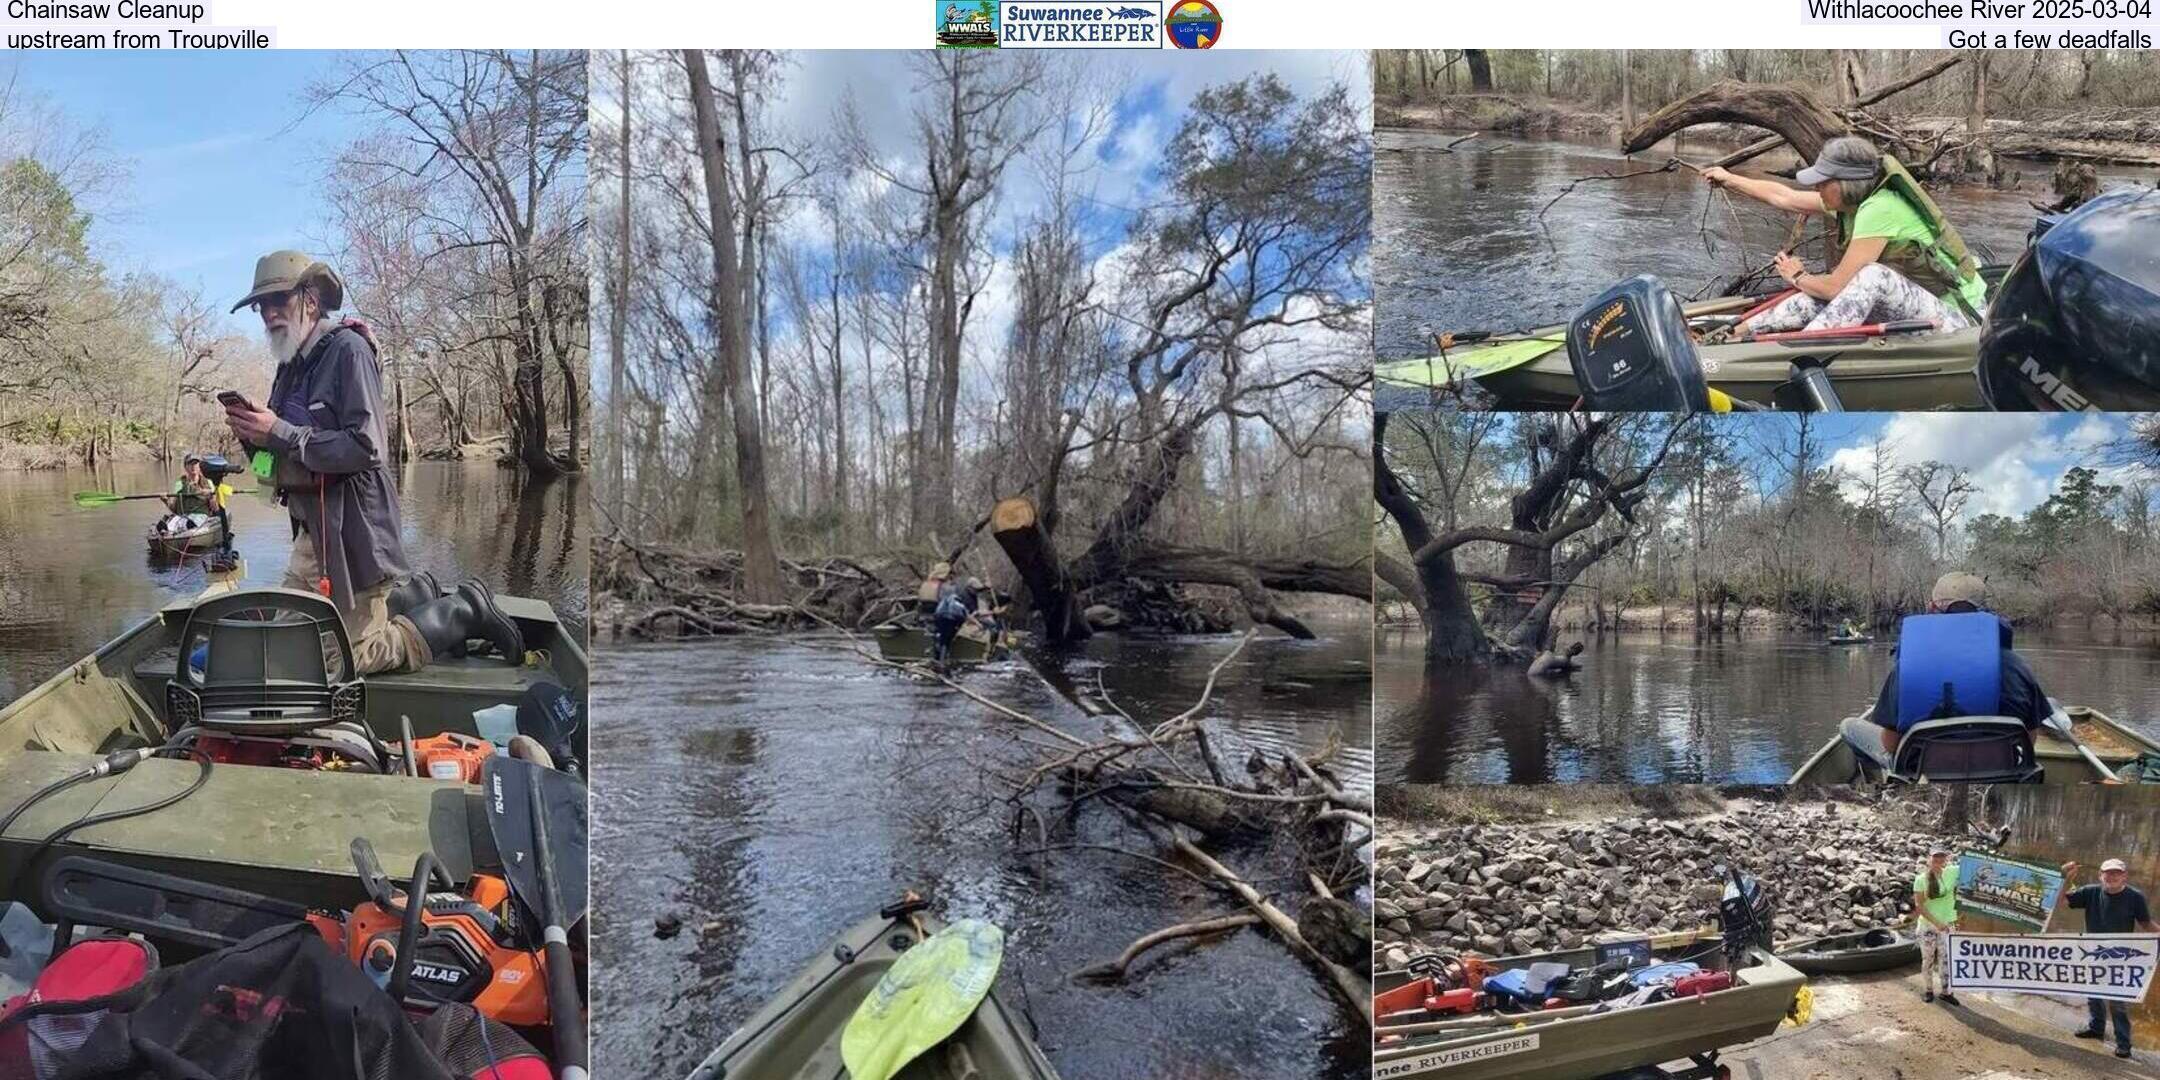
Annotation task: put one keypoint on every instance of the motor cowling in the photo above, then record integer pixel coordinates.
(1631, 352)
(1746, 914)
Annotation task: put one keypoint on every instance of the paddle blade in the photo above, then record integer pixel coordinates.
(1469, 362)
(924, 997)
(97, 498)
(505, 783)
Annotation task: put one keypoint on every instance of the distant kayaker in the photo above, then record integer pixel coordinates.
(1955, 660)
(195, 498)
(1902, 258)
(1553, 666)
(2110, 907)
(1934, 916)
(323, 431)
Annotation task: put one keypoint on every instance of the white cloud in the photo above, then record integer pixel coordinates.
(2014, 460)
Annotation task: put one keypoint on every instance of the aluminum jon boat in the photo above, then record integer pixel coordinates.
(1992, 749)
(1581, 1044)
(796, 1035)
(902, 642)
(1880, 949)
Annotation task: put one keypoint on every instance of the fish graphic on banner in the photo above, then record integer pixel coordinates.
(2111, 967)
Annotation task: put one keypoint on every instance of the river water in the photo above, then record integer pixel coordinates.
(771, 792)
(72, 579)
(1458, 243)
(1651, 708)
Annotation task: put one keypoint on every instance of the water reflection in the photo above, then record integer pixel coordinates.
(1667, 708)
(1459, 243)
(72, 579)
(772, 792)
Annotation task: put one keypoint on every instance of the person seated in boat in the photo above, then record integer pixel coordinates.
(1935, 916)
(1845, 630)
(2110, 907)
(323, 433)
(1902, 258)
(1955, 660)
(933, 586)
(195, 498)
(1551, 665)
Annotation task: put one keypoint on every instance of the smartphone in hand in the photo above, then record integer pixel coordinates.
(234, 399)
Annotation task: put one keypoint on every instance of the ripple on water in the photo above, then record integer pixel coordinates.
(810, 792)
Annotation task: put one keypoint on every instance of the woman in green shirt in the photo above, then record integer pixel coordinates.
(1934, 916)
(1902, 259)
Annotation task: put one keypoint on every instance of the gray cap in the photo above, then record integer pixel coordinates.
(1959, 586)
(1847, 157)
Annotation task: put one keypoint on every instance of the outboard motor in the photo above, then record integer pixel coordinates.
(1745, 914)
(217, 467)
(1631, 352)
(2076, 325)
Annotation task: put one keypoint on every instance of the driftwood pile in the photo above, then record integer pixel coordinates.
(661, 592)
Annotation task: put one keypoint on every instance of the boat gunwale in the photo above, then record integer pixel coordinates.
(1782, 980)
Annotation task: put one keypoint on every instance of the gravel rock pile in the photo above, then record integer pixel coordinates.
(1504, 890)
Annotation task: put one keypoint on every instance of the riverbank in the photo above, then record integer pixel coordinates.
(1677, 618)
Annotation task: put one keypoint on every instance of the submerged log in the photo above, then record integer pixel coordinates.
(1028, 545)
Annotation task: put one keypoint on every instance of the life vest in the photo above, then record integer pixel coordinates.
(1949, 665)
(1940, 267)
(190, 500)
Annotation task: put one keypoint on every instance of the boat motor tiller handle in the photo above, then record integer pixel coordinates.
(1631, 352)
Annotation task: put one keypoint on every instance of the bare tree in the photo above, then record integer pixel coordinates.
(1943, 490)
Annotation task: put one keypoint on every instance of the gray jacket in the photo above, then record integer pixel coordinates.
(330, 445)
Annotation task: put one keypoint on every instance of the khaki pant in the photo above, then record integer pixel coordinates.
(380, 643)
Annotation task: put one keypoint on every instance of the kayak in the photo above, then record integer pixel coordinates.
(1891, 372)
(797, 1035)
(201, 538)
(1880, 949)
(1849, 639)
(1581, 1044)
(902, 642)
(2059, 759)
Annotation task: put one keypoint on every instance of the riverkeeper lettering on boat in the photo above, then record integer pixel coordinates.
(1460, 1055)
(2114, 967)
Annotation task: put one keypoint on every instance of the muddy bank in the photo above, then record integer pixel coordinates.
(1505, 889)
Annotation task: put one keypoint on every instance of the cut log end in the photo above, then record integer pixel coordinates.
(1010, 514)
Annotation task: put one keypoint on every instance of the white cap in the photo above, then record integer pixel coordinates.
(2113, 864)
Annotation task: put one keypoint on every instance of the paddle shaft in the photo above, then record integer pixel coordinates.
(2068, 729)
(1901, 326)
(565, 1010)
(99, 498)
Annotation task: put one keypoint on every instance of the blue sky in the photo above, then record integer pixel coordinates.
(2016, 459)
(215, 179)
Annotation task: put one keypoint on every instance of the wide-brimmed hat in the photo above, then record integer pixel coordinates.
(1847, 157)
(284, 271)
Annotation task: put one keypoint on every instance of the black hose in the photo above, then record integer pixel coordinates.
(61, 833)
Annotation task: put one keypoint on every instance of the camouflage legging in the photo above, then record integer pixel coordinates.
(1875, 294)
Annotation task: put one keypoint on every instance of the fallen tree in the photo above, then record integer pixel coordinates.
(1799, 119)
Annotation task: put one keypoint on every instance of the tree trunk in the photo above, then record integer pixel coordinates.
(1019, 531)
(1480, 65)
(1978, 159)
(761, 565)
(1787, 109)
(618, 326)
(1627, 92)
